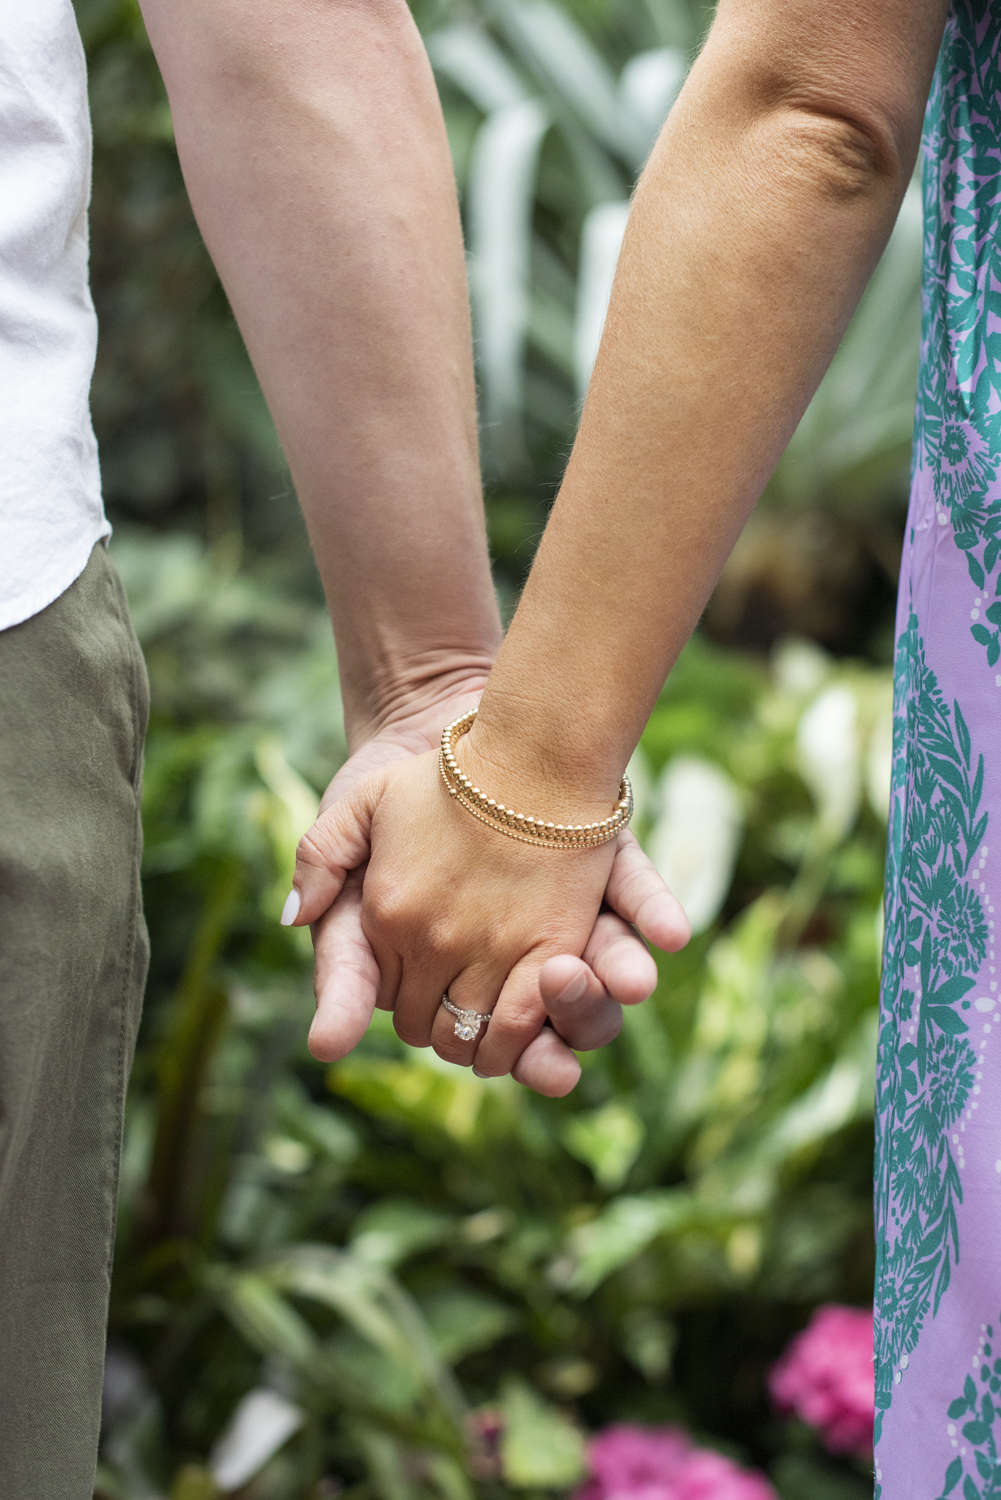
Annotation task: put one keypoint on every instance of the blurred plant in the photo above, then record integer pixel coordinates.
(393, 1275)
(826, 1378)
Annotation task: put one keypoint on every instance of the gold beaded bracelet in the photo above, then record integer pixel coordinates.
(515, 824)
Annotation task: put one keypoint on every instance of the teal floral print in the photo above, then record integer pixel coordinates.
(957, 434)
(935, 943)
(973, 1427)
(938, 1091)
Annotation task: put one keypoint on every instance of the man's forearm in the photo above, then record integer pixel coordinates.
(315, 156)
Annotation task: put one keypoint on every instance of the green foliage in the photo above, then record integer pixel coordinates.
(439, 1284)
(404, 1253)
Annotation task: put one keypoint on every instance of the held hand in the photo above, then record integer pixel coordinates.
(434, 862)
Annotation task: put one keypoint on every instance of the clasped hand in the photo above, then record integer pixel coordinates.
(411, 898)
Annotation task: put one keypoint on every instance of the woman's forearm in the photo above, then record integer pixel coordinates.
(315, 156)
(757, 222)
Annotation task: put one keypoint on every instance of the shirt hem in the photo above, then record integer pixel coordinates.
(26, 606)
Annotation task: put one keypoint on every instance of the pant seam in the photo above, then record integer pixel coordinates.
(129, 968)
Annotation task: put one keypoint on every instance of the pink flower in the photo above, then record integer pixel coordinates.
(660, 1463)
(826, 1378)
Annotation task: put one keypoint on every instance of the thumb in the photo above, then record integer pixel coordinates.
(345, 976)
(338, 841)
(640, 896)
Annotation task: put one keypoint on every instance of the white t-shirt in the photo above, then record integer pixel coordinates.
(50, 485)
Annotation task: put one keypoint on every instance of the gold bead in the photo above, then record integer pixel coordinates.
(518, 825)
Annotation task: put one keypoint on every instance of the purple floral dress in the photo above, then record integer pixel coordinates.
(938, 1147)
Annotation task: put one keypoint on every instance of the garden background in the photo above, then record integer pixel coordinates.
(386, 1278)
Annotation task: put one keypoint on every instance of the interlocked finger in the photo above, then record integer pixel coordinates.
(518, 1017)
(580, 1008)
(464, 1015)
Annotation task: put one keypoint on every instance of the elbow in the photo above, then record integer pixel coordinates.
(845, 156)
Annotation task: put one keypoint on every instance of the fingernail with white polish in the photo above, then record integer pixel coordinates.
(291, 908)
(478, 1074)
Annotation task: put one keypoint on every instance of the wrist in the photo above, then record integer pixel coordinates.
(507, 817)
(419, 699)
(522, 759)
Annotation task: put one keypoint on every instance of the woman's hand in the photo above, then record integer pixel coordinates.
(449, 904)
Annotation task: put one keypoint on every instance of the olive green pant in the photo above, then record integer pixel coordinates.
(73, 957)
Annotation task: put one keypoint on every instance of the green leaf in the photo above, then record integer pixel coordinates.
(500, 202)
(540, 1447)
(946, 1020)
(952, 1475)
(952, 990)
(625, 1228)
(976, 1432)
(463, 1322)
(958, 1408)
(193, 1483)
(961, 730)
(391, 1231)
(266, 1319)
(982, 634)
(608, 1141)
(375, 1305)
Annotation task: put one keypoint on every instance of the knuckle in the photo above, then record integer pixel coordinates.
(309, 850)
(385, 908)
(437, 937)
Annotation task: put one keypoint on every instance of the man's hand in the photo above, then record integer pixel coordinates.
(583, 996)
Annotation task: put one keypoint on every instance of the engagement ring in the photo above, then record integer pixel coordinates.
(467, 1022)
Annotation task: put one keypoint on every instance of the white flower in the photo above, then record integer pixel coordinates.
(827, 741)
(799, 667)
(695, 841)
(261, 1423)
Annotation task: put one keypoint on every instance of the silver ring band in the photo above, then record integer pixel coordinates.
(467, 1022)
